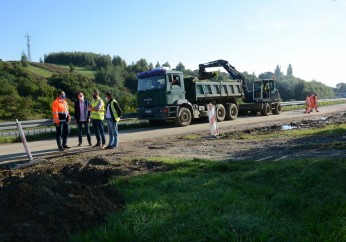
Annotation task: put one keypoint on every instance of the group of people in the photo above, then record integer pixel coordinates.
(94, 111)
(311, 103)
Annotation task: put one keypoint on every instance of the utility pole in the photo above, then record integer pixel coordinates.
(28, 45)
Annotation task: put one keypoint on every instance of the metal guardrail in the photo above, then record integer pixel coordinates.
(126, 119)
(296, 103)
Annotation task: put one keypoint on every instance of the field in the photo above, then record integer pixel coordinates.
(260, 184)
(46, 69)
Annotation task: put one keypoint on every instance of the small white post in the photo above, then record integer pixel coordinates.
(25, 143)
(212, 120)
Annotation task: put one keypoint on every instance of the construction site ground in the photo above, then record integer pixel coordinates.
(70, 193)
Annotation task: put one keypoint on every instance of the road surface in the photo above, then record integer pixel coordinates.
(10, 153)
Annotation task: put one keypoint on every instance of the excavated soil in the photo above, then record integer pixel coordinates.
(54, 199)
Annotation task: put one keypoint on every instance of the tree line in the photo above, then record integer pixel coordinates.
(88, 59)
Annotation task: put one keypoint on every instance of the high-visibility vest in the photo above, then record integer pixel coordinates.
(312, 101)
(60, 111)
(114, 111)
(99, 115)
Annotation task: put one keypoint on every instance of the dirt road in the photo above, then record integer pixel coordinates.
(42, 149)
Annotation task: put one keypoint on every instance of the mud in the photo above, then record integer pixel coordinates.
(52, 200)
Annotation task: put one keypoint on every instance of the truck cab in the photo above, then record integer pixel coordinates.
(159, 91)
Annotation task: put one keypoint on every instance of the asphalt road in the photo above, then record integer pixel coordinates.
(10, 153)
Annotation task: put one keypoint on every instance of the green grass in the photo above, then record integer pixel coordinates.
(200, 200)
(9, 139)
(85, 71)
(40, 71)
(330, 129)
(190, 136)
(320, 104)
(82, 70)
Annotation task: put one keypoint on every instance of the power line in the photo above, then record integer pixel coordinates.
(28, 45)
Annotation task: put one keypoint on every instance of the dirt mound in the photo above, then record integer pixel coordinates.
(49, 207)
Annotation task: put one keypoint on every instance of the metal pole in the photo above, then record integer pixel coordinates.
(25, 143)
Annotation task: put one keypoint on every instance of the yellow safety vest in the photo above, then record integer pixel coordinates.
(99, 115)
(115, 113)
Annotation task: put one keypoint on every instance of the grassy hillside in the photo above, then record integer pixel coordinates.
(46, 70)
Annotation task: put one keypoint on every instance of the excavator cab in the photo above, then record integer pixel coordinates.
(265, 90)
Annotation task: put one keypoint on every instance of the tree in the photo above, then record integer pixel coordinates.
(24, 60)
(141, 65)
(341, 87)
(72, 68)
(180, 67)
(118, 61)
(166, 64)
(157, 64)
(266, 75)
(278, 72)
(289, 70)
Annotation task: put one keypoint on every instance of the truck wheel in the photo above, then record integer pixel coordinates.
(184, 117)
(265, 110)
(220, 112)
(277, 108)
(231, 111)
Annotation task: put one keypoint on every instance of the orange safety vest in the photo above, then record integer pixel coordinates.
(315, 99)
(312, 100)
(307, 101)
(60, 111)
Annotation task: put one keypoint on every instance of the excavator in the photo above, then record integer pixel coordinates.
(264, 96)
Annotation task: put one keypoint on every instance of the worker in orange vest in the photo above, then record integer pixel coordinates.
(61, 120)
(307, 103)
(312, 102)
(315, 102)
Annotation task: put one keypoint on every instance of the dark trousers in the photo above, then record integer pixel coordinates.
(87, 130)
(62, 132)
(99, 131)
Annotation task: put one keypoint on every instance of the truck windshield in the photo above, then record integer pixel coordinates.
(150, 83)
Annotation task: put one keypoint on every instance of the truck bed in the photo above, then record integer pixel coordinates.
(204, 91)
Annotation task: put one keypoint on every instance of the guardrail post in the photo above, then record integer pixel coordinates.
(25, 143)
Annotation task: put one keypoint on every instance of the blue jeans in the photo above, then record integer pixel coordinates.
(113, 132)
(99, 131)
(87, 129)
(62, 132)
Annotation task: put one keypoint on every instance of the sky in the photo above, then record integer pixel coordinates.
(252, 35)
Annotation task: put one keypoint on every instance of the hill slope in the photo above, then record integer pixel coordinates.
(46, 70)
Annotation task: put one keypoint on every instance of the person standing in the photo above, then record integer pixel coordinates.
(312, 102)
(97, 110)
(315, 102)
(307, 103)
(82, 117)
(113, 114)
(61, 120)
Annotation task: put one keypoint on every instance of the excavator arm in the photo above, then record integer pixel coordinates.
(236, 75)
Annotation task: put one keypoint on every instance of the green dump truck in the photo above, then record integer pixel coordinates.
(169, 95)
